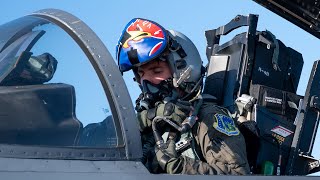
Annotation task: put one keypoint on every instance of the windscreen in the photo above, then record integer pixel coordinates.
(50, 93)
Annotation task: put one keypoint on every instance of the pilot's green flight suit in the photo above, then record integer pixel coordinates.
(218, 143)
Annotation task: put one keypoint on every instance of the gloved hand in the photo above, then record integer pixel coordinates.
(168, 158)
(177, 112)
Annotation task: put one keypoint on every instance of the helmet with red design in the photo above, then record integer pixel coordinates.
(143, 40)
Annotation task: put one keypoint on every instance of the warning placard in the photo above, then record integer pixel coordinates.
(284, 132)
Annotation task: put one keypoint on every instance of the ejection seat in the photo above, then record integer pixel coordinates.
(39, 115)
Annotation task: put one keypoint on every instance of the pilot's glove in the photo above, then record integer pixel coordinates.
(176, 112)
(168, 158)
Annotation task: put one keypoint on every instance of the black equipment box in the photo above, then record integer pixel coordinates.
(276, 65)
(276, 101)
(276, 135)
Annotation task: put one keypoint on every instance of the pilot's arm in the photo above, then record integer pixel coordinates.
(223, 150)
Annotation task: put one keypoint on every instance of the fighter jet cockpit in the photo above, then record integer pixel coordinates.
(53, 93)
(65, 109)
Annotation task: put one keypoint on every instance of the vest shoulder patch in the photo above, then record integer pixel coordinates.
(225, 125)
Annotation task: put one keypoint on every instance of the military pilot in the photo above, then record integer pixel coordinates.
(196, 135)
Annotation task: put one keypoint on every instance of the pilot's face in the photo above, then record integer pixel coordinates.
(154, 71)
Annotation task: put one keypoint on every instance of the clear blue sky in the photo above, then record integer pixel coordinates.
(108, 18)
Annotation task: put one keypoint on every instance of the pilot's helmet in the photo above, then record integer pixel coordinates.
(143, 40)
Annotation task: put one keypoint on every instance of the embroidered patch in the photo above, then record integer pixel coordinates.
(225, 125)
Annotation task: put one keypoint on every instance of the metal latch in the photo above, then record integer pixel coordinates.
(314, 164)
(315, 103)
(183, 144)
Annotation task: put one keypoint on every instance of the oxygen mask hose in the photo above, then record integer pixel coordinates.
(156, 132)
(186, 126)
(191, 120)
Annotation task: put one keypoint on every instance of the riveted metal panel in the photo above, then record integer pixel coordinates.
(32, 169)
(85, 153)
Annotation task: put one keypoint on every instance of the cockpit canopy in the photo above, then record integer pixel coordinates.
(58, 87)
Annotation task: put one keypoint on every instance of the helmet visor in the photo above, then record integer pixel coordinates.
(141, 41)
